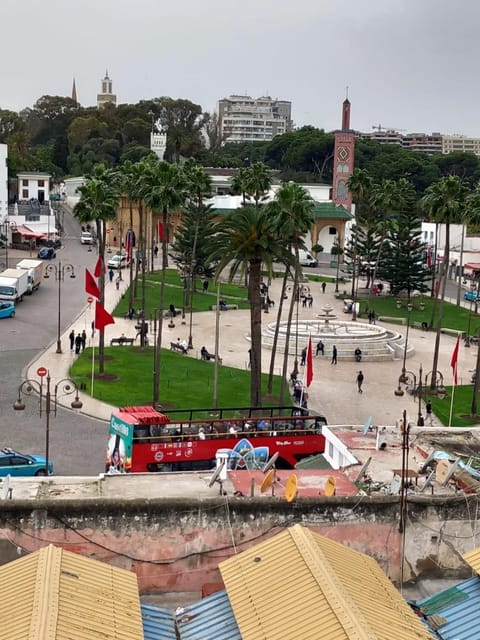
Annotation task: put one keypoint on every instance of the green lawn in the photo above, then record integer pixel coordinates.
(462, 404)
(185, 382)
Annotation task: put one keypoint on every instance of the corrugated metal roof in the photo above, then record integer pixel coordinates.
(54, 594)
(454, 612)
(158, 623)
(208, 619)
(299, 582)
(472, 558)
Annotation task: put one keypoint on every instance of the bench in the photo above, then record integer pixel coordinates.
(122, 341)
(168, 313)
(420, 325)
(228, 307)
(211, 358)
(175, 346)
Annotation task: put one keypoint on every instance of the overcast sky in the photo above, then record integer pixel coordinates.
(409, 64)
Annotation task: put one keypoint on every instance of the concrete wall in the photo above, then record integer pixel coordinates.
(176, 545)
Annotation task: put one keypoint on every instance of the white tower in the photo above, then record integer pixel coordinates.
(158, 140)
(106, 95)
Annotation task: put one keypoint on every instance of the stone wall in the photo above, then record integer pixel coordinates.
(176, 545)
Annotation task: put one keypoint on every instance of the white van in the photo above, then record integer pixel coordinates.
(306, 259)
(86, 238)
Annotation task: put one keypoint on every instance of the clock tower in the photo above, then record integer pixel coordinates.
(343, 159)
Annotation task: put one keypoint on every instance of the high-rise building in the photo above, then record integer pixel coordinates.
(106, 95)
(242, 118)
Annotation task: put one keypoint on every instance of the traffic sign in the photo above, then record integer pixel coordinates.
(89, 299)
(41, 371)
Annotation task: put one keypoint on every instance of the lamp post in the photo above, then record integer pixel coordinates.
(29, 387)
(405, 346)
(195, 271)
(59, 272)
(300, 290)
(4, 229)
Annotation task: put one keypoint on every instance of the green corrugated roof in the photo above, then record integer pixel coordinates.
(331, 210)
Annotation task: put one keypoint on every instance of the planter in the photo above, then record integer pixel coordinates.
(399, 304)
(421, 306)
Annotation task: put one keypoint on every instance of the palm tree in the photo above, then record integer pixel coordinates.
(130, 183)
(238, 184)
(293, 208)
(360, 185)
(444, 202)
(258, 182)
(164, 189)
(246, 239)
(98, 203)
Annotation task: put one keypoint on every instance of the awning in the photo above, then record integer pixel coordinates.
(25, 232)
(474, 266)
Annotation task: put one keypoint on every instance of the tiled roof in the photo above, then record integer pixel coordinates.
(331, 210)
(300, 582)
(54, 594)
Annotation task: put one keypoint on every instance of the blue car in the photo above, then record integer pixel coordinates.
(14, 463)
(471, 296)
(7, 309)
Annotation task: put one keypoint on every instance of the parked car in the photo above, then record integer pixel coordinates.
(56, 244)
(117, 262)
(46, 253)
(471, 296)
(7, 309)
(14, 463)
(86, 238)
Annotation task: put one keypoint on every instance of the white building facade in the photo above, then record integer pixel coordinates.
(34, 186)
(242, 118)
(3, 181)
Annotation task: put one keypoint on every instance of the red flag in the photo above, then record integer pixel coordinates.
(99, 267)
(454, 360)
(102, 317)
(90, 285)
(160, 230)
(309, 364)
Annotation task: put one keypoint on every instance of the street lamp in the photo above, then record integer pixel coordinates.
(194, 272)
(409, 379)
(405, 346)
(29, 387)
(59, 272)
(299, 292)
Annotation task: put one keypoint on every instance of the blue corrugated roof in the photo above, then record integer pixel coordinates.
(208, 619)
(158, 623)
(460, 606)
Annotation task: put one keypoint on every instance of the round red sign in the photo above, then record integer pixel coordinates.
(41, 371)
(89, 299)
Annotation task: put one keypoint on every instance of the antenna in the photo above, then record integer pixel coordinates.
(268, 481)
(291, 488)
(216, 477)
(330, 487)
(271, 463)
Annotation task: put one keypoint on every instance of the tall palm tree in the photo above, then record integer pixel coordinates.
(444, 201)
(238, 184)
(246, 239)
(293, 208)
(130, 183)
(258, 182)
(164, 189)
(360, 184)
(98, 204)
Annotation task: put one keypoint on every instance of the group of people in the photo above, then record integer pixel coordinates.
(307, 299)
(77, 342)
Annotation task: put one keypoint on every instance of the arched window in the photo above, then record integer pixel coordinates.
(341, 190)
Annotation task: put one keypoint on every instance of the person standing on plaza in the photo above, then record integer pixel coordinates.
(360, 379)
(320, 348)
(78, 343)
(84, 339)
(110, 275)
(71, 337)
(334, 355)
(429, 412)
(303, 357)
(324, 286)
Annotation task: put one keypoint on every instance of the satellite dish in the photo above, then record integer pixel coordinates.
(216, 477)
(367, 425)
(267, 481)
(291, 488)
(271, 463)
(330, 487)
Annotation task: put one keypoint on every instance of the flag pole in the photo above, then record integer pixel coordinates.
(453, 395)
(93, 367)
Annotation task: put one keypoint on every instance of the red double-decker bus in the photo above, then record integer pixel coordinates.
(142, 439)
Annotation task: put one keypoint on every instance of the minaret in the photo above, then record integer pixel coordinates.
(106, 95)
(74, 92)
(343, 159)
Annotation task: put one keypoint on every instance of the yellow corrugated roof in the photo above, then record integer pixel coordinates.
(472, 558)
(54, 594)
(300, 584)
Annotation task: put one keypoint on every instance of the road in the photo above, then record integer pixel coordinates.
(77, 443)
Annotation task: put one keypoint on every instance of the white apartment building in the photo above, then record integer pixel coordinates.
(246, 119)
(451, 144)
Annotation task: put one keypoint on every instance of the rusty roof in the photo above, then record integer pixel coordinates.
(299, 582)
(54, 594)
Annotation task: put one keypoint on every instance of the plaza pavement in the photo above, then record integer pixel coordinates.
(333, 391)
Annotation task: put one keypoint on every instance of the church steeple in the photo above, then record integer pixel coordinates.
(74, 92)
(106, 94)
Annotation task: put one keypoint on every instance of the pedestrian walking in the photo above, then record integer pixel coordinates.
(320, 348)
(324, 286)
(429, 412)
(334, 355)
(71, 337)
(78, 343)
(205, 286)
(310, 300)
(117, 283)
(84, 339)
(155, 251)
(249, 358)
(304, 302)
(360, 379)
(110, 275)
(303, 357)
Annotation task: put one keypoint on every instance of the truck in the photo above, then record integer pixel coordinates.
(13, 284)
(34, 268)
